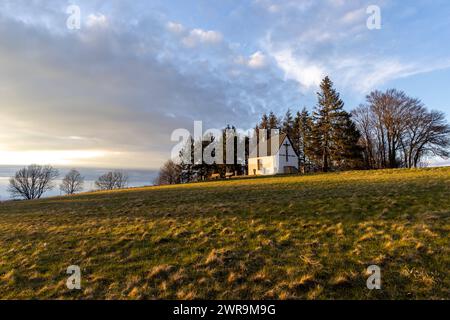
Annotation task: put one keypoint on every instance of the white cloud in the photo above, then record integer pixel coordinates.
(373, 74)
(278, 6)
(96, 20)
(333, 41)
(367, 73)
(304, 72)
(359, 73)
(200, 36)
(175, 27)
(56, 157)
(354, 16)
(256, 61)
(76, 138)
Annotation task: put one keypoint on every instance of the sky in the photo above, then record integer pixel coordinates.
(110, 93)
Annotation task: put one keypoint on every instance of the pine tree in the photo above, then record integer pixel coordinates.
(288, 124)
(348, 153)
(264, 123)
(302, 136)
(334, 133)
(274, 123)
(328, 103)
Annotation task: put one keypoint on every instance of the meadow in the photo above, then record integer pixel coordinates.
(284, 237)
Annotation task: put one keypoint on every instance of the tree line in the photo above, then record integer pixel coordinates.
(187, 169)
(33, 181)
(389, 130)
(399, 131)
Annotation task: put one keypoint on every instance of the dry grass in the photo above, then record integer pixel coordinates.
(309, 237)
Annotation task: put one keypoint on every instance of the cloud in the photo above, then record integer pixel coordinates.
(121, 91)
(317, 39)
(354, 16)
(55, 157)
(96, 20)
(364, 73)
(306, 73)
(194, 37)
(255, 61)
(175, 27)
(277, 6)
(199, 36)
(136, 72)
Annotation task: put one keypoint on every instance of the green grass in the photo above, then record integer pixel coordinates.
(297, 237)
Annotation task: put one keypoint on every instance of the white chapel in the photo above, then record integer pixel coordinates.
(283, 159)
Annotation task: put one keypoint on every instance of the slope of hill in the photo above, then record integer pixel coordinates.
(264, 238)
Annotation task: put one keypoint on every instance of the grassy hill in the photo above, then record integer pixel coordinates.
(267, 238)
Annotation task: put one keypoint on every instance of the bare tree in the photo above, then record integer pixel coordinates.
(364, 122)
(72, 182)
(112, 180)
(32, 182)
(427, 134)
(170, 173)
(390, 109)
(398, 130)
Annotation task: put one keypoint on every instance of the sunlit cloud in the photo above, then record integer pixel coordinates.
(306, 73)
(55, 157)
(199, 36)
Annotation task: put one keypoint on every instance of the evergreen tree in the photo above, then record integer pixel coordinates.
(348, 153)
(274, 123)
(288, 124)
(264, 124)
(334, 134)
(302, 139)
(328, 102)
